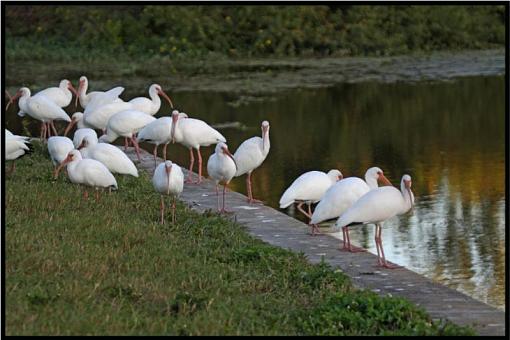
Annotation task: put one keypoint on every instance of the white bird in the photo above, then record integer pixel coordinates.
(250, 155)
(158, 132)
(168, 180)
(125, 124)
(375, 207)
(76, 119)
(222, 167)
(194, 133)
(150, 106)
(80, 133)
(15, 147)
(88, 172)
(103, 107)
(84, 97)
(40, 108)
(343, 194)
(309, 188)
(112, 157)
(58, 148)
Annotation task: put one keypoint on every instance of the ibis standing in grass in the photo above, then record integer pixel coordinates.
(222, 167)
(343, 194)
(168, 180)
(250, 155)
(58, 148)
(87, 172)
(111, 156)
(194, 133)
(309, 188)
(375, 207)
(15, 147)
(40, 108)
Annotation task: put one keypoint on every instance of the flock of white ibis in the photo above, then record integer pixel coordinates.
(92, 161)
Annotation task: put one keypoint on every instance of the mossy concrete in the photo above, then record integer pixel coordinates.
(279, 229)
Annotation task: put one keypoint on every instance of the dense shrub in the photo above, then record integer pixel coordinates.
(258, 30)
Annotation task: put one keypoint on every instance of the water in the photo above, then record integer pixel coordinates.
(448, 135)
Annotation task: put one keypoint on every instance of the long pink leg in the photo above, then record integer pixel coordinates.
(352, 248)
(250, 190)
(377, 244)
(191, 160)
(199, 166)
(13, 167)
(300, 204)
(97, 195)
(48, 129)
(86, 194)
(164, 151)
(384, 263)
(217, 198)
(54, 128)
(173, 210)
(125, 143)
(162, 210)
(155, 152)
(224, 190)
(137, 148)
(344, 239)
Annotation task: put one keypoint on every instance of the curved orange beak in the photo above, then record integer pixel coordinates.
(162, 93)
(12, 99)
(384, 180)
(227, 152)
(64, 162)
(80, 88)
(70, 125)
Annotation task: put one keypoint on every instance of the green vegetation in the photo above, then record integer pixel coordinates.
(181, 32)
(108, 267)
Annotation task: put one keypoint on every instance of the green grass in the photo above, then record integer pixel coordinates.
(76, 267)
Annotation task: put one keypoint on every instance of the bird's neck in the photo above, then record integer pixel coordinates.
(371, 182)
(408, 197)
(265, 143)
(83, 92)
(22, 102)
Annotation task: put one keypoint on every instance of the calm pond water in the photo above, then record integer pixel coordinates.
(449, 136)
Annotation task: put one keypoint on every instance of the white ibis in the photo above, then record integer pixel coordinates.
(112, 157)
(250, 155)
(309, 188)
(377, 206)
(168, 180)
(87, 172)
(158, 132)
(76, 119)
(343, 194)
(126, 124)
(40, 108)
(151, 106)
(80, 133)
(222, 167)
(15, 147)
(58, 148)
(84, 97)
(194, 133)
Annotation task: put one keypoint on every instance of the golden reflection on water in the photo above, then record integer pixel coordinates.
(449, 136)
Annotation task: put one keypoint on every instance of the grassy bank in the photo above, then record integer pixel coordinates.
(108, 267)
(190, 32)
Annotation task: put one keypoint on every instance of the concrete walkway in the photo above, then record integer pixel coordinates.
(281, 230)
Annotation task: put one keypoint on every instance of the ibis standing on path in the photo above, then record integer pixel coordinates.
(126, 124)
(194, 133)
(343, 194)
(222, 167)
(15, 147)
(168, 180)
(309, 188)
(88, 172)
(375, 207)
(158, 132)
(250, 155)
(40, 108)
(111, 156)
(58, 148)
(150, 106)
